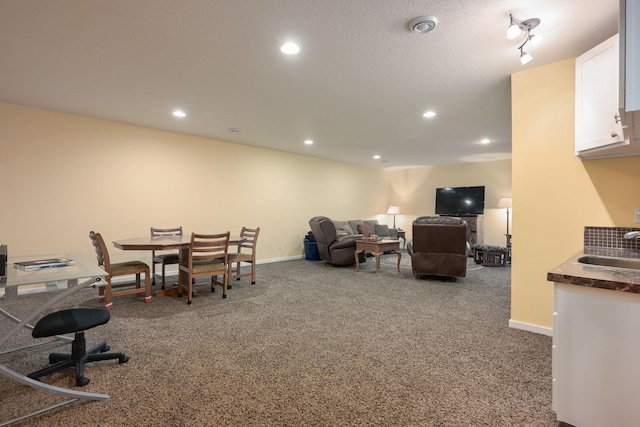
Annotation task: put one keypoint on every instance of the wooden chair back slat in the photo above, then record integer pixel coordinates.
(165, 232)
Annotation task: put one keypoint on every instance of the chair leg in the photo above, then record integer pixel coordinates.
(253, 272)
(108, 295)
(147, 287)
(101, 290)
(153, 270)
(229, 273)
(225, 283)
(163, 270)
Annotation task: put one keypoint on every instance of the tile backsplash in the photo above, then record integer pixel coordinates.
(610, 237)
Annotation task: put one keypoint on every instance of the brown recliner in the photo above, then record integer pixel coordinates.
(439, 246)
(331, 248)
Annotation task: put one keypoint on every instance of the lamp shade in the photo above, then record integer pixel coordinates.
(525, 58)
(504, 202)
(393, 210)
(513, 31)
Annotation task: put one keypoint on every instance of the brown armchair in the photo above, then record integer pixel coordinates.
(439, 247)
(333, 249)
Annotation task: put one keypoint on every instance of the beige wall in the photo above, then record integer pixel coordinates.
(555, 194)
(64, 175)
(414, 190)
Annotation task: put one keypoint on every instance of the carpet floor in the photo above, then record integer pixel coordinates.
(308, 345)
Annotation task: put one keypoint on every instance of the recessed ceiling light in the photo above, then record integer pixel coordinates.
(290, 48)
(485, 141)
(179, 113)
(308, 142)
(429, 114)
(234, 130)
(376, 156)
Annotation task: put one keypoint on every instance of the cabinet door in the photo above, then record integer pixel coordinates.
(597, 91)
(596, 374)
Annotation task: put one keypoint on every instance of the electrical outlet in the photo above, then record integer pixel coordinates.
(636, 215)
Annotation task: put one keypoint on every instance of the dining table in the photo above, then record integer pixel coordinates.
(161, 243)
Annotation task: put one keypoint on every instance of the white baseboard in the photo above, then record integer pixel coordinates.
(289, 258)
(531, 328)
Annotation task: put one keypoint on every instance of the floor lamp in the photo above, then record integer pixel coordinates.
(393, 210)
(505, 202)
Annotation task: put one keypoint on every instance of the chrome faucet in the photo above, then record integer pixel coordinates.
(632, 235)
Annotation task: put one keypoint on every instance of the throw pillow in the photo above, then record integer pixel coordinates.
(364, 229)
(382, 230)
(372, 223)
(355, 223)
(343, 225)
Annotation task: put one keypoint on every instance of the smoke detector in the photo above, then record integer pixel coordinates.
(423, 24)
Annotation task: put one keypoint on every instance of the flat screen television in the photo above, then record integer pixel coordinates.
(460, 201)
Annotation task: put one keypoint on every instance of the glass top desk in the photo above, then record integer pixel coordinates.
(82, 269)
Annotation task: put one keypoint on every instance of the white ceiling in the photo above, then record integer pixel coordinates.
(358, 87)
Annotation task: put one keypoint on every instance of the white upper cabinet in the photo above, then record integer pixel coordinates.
(630, 68)
(630, 30)
(598, 123)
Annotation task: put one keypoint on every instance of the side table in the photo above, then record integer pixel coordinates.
(377, 248)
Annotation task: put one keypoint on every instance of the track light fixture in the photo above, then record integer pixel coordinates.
(524, 56)
(515, 30)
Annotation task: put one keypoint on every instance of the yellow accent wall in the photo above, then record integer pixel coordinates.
(555, 194)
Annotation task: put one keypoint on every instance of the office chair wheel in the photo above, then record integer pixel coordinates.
(82, 381)
(123, 359)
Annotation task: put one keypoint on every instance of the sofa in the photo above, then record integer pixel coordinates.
(439, 246)
(336, 239)
(354, 227)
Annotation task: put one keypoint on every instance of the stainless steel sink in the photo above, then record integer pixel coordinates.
(633, 263)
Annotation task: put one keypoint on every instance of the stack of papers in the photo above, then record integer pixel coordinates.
(43, 263)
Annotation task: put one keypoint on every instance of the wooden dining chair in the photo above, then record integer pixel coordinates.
(246, 253)
(106, 293)
(164, 258)
(208, 257)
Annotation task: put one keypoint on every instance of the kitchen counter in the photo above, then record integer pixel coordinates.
(591, 327)
(596, 276)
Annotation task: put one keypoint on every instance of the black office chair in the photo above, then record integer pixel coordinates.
(75, 320)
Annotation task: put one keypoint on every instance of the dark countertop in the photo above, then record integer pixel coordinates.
(596, 276)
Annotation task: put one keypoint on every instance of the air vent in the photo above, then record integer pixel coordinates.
(423, 24)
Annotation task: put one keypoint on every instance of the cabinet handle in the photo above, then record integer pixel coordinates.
(614, 134)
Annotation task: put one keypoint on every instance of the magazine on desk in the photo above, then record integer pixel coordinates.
(43, 263)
